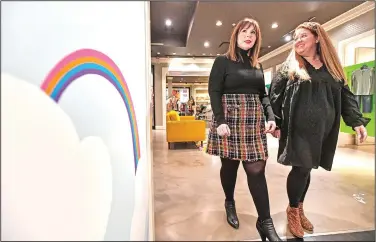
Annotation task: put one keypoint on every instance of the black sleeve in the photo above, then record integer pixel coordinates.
(266, 101)
(276, 94)
(216, 85)
(350, 109)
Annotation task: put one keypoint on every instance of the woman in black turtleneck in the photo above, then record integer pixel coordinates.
(238, 133)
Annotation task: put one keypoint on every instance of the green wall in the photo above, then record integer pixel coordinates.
(371, 126)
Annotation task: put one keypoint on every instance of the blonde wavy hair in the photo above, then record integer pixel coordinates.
(296, 66)
(254, 51)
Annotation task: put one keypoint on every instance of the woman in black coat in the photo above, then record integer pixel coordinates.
(308, 96)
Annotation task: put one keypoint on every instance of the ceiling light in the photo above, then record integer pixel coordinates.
(218, 54)
(158, 53)
(168, 22)
(206, 44)
(203, 54)
(189, 54)
(219, 23)
(174, 53)
(274, 25)
(233, 24)
(287, 37)
(269, 46)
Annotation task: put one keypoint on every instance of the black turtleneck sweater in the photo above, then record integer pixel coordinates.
(230, 77)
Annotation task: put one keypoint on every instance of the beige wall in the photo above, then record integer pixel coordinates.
(276, 60)
(158, 94)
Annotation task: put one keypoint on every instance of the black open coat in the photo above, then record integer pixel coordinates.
(308, 114)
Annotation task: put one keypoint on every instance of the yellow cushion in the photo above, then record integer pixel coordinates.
(173, 115)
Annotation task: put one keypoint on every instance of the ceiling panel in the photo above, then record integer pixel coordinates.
(181, 15)
(354, 27)
(198, 23)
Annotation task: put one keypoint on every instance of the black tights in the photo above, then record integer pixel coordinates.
(298, 182)
(256, 183)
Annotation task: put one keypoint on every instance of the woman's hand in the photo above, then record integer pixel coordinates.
(270, 127)
(277, 133)
(361, 133)
(223, 130)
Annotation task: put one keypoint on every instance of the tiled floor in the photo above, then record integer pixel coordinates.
(189, 197)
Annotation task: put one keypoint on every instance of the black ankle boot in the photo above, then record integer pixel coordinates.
(232, 217)
(266, 230)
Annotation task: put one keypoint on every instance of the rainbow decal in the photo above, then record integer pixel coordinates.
(89, 61)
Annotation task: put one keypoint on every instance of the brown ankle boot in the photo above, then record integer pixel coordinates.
(306, 224)
(293, 220)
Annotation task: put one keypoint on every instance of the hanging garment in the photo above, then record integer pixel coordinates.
(363, 81)
(364, 101)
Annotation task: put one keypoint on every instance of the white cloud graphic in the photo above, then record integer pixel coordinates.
(54, 186)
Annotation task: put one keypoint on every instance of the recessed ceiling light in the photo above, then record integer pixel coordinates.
(158, 53)
(218, 54)
(218, 23)
(203, 54)
(287, 37)
(233, 24)
(269, 46)
(206, 44)
(168, 22)
(174, 53)
(274, 25)
(189, 54)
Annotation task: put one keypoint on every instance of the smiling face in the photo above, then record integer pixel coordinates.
(305, 42)
(247, 38)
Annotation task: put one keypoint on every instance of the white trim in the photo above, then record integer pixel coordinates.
(159, 128)
(337, 21)
(148, 128)
(164, 76)
(156, 60)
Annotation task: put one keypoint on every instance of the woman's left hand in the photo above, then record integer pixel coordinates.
(270, 127)
(361, 133)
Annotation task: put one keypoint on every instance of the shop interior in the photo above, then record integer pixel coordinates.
(187, 186)
(121, 154)
(188, 95)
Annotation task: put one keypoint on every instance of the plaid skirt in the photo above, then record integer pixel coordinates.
(245, 117)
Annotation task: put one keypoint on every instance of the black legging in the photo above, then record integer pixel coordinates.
(298, 182)
(256, 183)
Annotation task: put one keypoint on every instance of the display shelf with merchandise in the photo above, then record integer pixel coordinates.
(371, 125)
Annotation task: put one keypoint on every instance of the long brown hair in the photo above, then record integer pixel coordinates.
(325, 49)
(254, 51)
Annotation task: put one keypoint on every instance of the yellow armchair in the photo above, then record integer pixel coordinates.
(184, 129)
